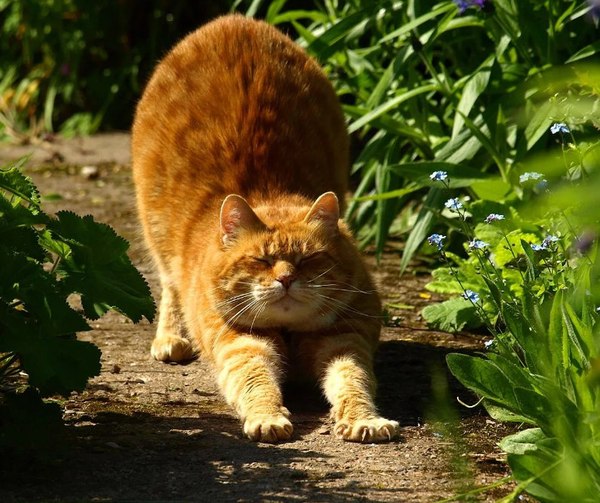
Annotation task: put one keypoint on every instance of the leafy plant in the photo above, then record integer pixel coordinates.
(45, 262)
(537, 291)
(465, 87)
(74, 65)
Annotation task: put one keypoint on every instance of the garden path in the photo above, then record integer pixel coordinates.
(147, 431)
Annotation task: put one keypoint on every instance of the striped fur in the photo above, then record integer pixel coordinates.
(240, 158)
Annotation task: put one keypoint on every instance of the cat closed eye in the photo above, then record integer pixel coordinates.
(263, 260)
(310, 257)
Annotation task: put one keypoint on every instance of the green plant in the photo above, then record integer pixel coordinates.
(74, 65)
(430, 85)
(45, 262)
(540, 301)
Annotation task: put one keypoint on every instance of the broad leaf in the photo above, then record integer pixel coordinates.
(98, 268)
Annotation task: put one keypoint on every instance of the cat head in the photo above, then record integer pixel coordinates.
(284, 266)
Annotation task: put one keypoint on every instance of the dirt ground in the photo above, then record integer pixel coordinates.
(148, 431)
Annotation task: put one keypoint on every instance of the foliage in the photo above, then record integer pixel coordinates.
(431, 85)
(538, 292)
(45, 260)
(80, 64)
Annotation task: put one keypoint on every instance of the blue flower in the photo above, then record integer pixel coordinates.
(438, 176)
(531, 175)
(548, 240)
(478, 244)
(493, 217)
(436, 240)
(546, 243)
(453, 204)
(559, 127)
(463, 5)
(471, 295)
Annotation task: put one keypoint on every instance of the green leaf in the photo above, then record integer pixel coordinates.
(471, 92)
(421, 229)
(328, 43)
(98, 268)
(523, 441)
(390, 105)
(504, 415)
(530, 468)
(492, 188)
(538, 125)
(587, 52)
(451, 315)
(415, 23)
(19, 185)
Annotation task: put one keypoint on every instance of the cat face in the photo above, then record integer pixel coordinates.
(287, 275)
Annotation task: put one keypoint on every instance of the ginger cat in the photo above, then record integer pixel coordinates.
(240, 160)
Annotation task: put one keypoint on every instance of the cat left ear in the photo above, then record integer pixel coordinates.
(326, 211)
(236, 216)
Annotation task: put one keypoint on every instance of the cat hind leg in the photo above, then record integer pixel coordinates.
(170, 343)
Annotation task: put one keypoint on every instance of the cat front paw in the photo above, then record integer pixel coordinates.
(376, 429)
(172, 349)
(269, 428)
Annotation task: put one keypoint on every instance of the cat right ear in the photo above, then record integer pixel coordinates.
(236, 216)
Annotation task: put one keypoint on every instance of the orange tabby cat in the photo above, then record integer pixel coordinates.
(240, 158)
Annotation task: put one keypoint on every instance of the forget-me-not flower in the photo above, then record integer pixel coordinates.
(531, 175)
(493, 217)
(463, 5)
(478, 244)
(546, 243)
(471, 295)
(438, 176)
(453, 204)
(559, 127)
(548, 240)
(436, 240)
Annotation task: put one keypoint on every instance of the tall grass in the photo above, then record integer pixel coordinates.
(427, 86)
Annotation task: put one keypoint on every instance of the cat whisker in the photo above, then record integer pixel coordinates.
(322, 274)
(345, 307)
(259, 311)
(335, 288)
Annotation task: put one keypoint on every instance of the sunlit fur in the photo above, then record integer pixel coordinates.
(266, 284)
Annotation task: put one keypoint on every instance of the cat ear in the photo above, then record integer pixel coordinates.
(325, 210)
(236, 215)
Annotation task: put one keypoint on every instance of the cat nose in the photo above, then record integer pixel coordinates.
(286, 279)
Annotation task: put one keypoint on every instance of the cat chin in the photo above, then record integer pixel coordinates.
(291, 315)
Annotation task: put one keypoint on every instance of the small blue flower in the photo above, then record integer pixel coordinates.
(548, 240)
(493, 217)
(531, 175)
(453, 204)
(536, 247)
(559, 127)
(478, 244)
(471, 295)
(463, 5)
(438, 176)
(436, 240)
